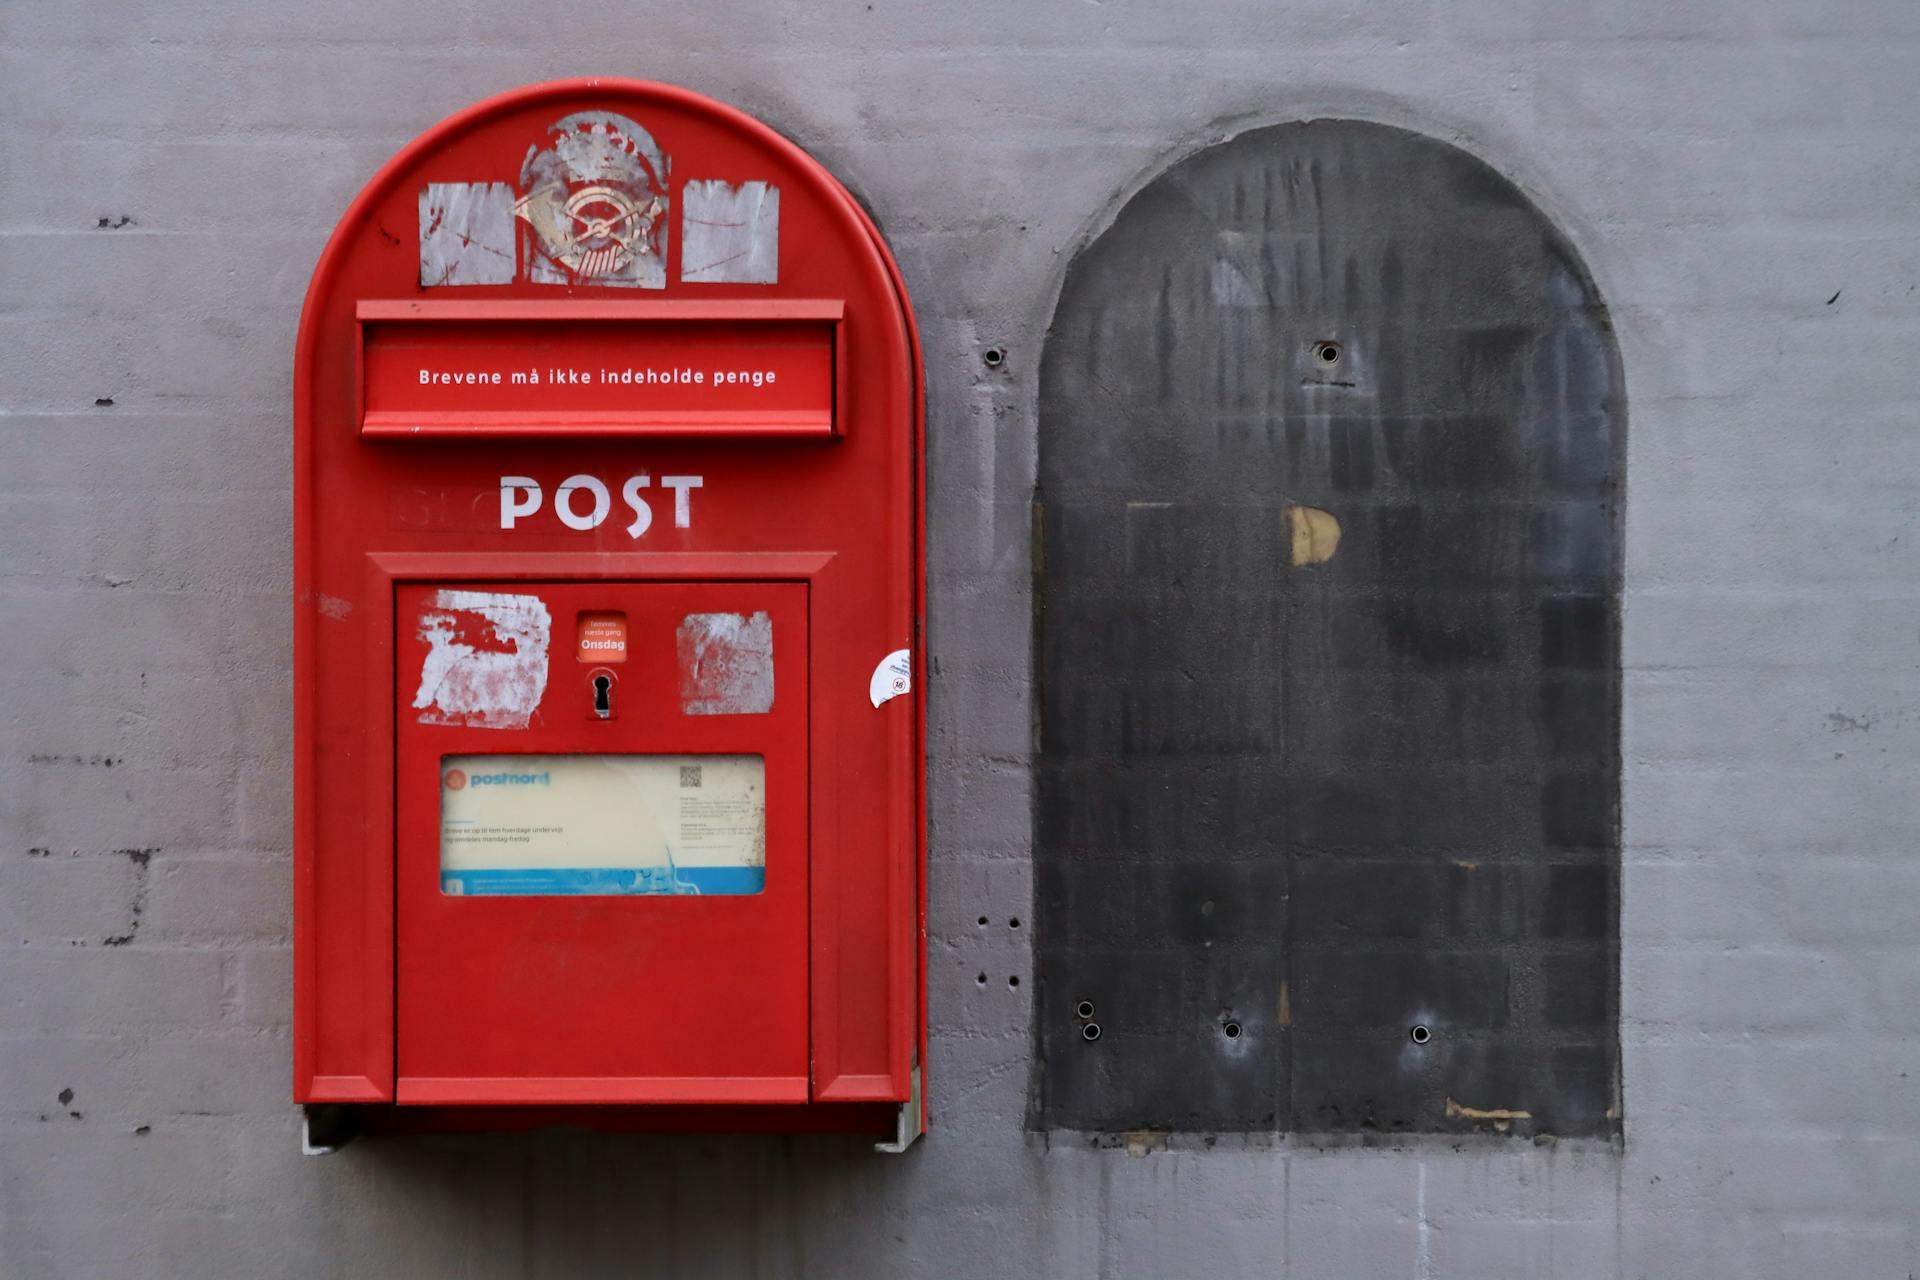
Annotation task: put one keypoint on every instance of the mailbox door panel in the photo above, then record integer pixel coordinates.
(602, 842)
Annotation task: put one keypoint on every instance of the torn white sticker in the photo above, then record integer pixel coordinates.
(893, 677)
(726, 664)
(729, 234)
(466, 233)
(486, 664)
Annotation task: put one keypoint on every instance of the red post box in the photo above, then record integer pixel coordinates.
(608, 574)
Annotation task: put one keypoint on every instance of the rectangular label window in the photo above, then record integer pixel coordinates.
(602, 824)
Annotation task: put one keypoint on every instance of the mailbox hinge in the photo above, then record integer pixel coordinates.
(907, 1127)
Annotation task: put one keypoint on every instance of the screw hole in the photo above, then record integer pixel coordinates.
(1013, 981)
(1420, 1034)
(1231, 1030)
(983, 922)
(1090, 1032)
(982, 979)
(1014, 923)
(1327, 352)
(994, 357)
(1084, 1009)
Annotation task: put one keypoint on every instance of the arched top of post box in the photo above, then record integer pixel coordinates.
(605, 217)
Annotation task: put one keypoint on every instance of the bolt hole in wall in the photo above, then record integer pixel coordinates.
(994, 357)
(1230, 1029)
(1419, 1033)
(1327, 352)
(1083, 1015)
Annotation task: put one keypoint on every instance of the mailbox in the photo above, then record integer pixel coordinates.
(608, 574)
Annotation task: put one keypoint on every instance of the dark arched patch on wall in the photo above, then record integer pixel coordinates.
(1332, 431)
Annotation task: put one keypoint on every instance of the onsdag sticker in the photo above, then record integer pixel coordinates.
(601, 637)
(486, 663)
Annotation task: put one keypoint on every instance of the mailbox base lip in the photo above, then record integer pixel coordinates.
(600, 1090)
(872, 1120)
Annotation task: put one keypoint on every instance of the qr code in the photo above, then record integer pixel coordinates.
(689, 775)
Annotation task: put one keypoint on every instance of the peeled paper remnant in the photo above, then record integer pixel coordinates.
(486, 664)
(466, 233)
(729, 234)
(726, 664)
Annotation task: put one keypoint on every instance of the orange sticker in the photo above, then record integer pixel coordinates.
(603, 637)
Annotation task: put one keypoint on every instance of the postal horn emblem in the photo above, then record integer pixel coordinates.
(595, 204)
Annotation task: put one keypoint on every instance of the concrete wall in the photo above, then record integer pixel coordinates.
(1741, 178)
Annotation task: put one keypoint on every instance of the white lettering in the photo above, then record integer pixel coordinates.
(521, 496)
(642, 513)
(511, 507)
(441, 378)
(563, 502)
(627, 377)
(682, 511)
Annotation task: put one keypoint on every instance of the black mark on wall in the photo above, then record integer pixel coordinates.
(1327, 595)
(142, 859)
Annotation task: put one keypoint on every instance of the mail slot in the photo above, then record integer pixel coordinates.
(608, 600)
(613, 368)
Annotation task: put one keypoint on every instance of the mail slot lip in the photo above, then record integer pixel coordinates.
(809, 422)
(696, 425)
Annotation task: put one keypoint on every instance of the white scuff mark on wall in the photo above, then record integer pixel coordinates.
(1236, 270)
(486, 664)
(1423, 1260)
(893, 677)
(466, 233)
(332, 606)
(726, 664)
(1231, 288)
(729, 234)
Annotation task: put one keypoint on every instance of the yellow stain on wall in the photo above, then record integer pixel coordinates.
(1316, 534)
(1502, 1117)
(1142, 1143)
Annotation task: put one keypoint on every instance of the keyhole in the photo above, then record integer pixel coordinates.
(603, 696)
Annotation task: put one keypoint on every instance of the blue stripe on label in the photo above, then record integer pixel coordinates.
(540, 881)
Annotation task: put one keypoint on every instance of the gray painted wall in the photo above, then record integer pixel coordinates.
(1725, 167)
